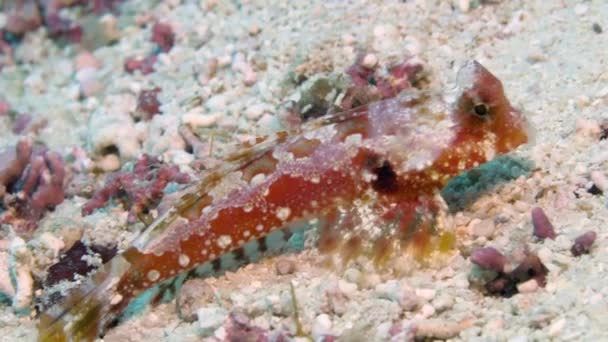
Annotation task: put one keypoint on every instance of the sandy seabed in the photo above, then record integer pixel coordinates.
(236, 58)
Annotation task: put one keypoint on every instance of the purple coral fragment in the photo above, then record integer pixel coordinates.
(31, 181)
(583, 243)
(505, 284)
(72, 262)
(489, 258)
(239, 328)
(543, 228)
(140, 190)
(163, 36)
(148, 104)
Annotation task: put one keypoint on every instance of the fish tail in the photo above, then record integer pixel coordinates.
(86, 310)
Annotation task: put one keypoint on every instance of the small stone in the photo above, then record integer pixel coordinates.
(543, 228)
(555, 329)
(285, 266)
(489, 258)
(528, 286)
(599, 180)
(597, 28)
(254, 111)
(109, 163)
(587, 128)
(85, 60)
(321, 326)
(426, 294)
(210, 318)
(581, 9)
(583, 243)
(370, 61)
(464, 5)
(195, 120)
(484, 228)
(347, 288)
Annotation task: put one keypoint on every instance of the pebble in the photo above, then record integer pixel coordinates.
(543, 228)
(86, 60)
(210, 318)
(353, 275)
(555, 329)
(426, 294)
(254, 111)
(483, 228)
(321, 326)
(347, 288)
(285, 266)
(195, 120)
(370, 61)
(398, 292)
(109, 163)
(587, 128)
(527, 286)
(581, 9)
(583, 243)
(598, 178)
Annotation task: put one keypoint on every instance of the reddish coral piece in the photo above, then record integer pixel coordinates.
(489, 258)
(582, 244)
(63, 28)
(163, 36)
(543, 228)
(22, 16)
(31, 181)
(148, 104)
(145, 65)
(140, 190)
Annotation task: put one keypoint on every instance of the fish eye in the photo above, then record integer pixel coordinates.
(481, 110)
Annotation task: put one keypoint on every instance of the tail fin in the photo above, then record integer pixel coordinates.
(85, 311)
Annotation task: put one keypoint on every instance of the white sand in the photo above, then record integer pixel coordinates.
(552, 64)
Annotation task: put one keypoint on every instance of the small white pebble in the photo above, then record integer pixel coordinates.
(556, 327)
(347, 288)
(581, 9)
(321, 326)
(527, 286)
(109, 163)
(370, 61)
(426, 294)
(587, 128)
(196, 120)
(483, 228)
(599, 180)
(254, 111)
(210, 318)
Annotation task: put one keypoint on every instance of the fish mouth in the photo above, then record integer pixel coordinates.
(518, 133)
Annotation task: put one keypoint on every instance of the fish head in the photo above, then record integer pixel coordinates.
(483, 111)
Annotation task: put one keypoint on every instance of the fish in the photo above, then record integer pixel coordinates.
(386, 160)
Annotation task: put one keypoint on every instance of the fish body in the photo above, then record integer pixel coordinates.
(391, 156)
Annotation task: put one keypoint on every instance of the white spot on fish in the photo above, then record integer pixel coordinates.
(283, 213)
(224, 241)
(153, 275)
(246, 233)
(117, 298)
(183, 260)
(315, 180)
(259, 227)
(258, 179)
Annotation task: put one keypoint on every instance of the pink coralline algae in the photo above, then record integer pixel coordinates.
(144, 65)
(163, 36)
(140, 190)
(543, 229)
(582, 244)
(31, 181)
(148, 104)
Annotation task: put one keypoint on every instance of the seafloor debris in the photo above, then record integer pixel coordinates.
(505, 284)
(74, 262)
(148, 104)
(582, 244)
(543, 229)
(31, 181)
(163, 36)
(139, 190)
